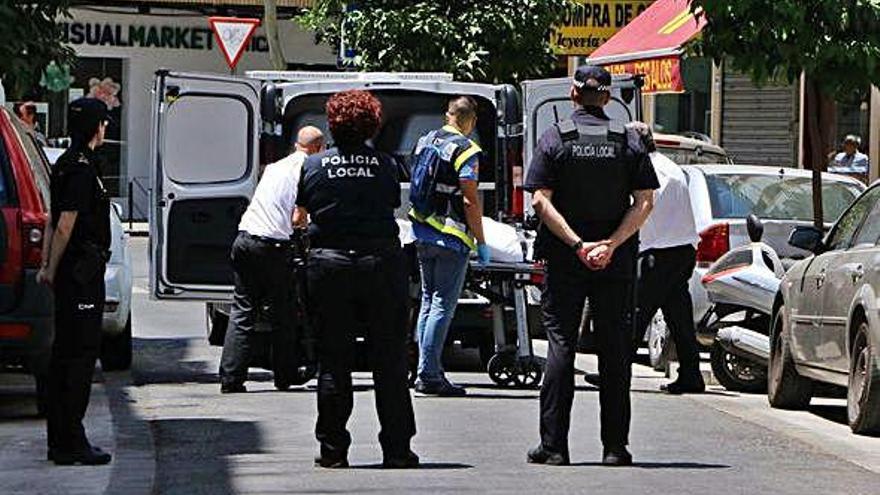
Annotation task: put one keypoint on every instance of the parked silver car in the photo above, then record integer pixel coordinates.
(826, 325)
(723, 196)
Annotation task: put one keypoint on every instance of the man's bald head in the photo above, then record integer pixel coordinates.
(310, 140)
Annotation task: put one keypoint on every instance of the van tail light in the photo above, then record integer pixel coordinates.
(32, 238)
(714, 243)
(11, 261)
(515, 172)
(16, 331)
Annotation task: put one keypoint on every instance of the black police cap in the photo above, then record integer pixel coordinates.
(85, 113)
(591, 78)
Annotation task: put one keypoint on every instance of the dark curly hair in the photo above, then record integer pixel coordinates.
(353, 116)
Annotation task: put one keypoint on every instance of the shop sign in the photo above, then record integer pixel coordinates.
(662, 75)
(587, 24)
(120, 35)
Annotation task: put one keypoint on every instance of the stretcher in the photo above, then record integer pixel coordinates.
(504, 285)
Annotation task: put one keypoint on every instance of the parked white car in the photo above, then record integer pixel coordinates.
(724, 195)
(116, 340)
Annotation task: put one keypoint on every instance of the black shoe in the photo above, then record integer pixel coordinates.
(539, 455)
(594, 379)
(91, 456)
(617, 457)
(331, 462)
(440, 389)
(232, 388)
(408, 461)
(680, 386)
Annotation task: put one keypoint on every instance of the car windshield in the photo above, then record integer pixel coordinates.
(691, 157)
(775, 197)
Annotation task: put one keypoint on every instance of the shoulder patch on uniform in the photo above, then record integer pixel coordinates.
(568, 130)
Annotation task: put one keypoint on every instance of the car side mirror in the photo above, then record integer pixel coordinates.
(808, 238)
(269, 97)
(755, 228)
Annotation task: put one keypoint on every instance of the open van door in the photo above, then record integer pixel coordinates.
(546, 101)
(204, 156)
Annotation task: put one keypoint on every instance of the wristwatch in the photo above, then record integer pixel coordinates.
(577, 245)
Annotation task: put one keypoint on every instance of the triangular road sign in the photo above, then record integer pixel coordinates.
(233, 34)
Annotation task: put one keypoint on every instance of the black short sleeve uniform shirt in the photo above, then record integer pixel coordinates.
(351, 195)
(76, 186)
(592, 184)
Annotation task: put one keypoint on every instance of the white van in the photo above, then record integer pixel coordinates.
(211, 133)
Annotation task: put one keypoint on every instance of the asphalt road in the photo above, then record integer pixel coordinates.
(174, 433)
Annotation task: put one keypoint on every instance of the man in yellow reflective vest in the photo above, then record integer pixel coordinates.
(447, 223)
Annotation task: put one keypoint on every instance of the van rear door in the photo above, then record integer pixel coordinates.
(546, 101)
(204, 156)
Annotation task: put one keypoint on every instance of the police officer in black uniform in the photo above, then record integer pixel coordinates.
(356, 278)
(592, 186)
(75, 255)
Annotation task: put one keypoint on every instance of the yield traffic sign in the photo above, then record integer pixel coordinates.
(233, 34)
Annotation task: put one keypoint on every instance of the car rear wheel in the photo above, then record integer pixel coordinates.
(786, 389)
(863, 395)
(116, 349)
(736, 373)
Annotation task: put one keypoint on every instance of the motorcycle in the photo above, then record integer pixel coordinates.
(741, 286)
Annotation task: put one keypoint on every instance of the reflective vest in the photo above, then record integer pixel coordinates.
(448, 215)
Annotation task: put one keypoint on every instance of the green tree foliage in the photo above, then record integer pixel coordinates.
(834, 43)
(29, 40)
(476, 40)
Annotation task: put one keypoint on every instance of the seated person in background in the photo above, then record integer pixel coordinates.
(851, 161)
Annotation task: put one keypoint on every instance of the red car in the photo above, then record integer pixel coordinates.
(26, 309)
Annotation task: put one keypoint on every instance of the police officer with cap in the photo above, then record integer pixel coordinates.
(76, 249)
(592, 186)
(357, 278)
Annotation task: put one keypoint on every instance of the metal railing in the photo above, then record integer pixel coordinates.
(137, 184)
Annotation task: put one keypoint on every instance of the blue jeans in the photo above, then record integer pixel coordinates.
(443, 272)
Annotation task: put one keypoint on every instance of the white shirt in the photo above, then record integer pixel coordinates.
(271, 210)
(671, 222)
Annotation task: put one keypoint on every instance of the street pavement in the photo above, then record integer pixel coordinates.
(173, 433)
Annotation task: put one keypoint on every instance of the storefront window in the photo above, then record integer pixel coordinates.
(688, 111)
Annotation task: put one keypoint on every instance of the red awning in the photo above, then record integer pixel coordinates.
(659, 32)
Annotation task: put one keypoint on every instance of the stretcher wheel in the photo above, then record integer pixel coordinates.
(529, 372)
(502, 369)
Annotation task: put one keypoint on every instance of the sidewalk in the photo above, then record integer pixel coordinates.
(23, 464)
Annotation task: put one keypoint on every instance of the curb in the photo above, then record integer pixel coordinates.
(134, 463)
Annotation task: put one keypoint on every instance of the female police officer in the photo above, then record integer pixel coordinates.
(356, 277)
(76, 249)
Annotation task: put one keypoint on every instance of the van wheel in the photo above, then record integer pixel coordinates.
(737, 374)
(786, 389)
(863, 395)
(116, 349)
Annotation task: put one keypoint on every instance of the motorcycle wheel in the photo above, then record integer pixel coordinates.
(737, 374)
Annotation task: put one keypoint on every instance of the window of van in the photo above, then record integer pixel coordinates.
(36, 159)
(406, 116)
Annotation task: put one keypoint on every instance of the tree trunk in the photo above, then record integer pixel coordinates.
(820, 117)
(276, 55)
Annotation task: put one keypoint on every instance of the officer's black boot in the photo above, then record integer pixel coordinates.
(616, 456)
(88, 456)
(408, 460)
(540, 455)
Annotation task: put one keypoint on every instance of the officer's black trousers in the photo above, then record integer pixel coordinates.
(347, 292)
(565, 290)
(265, 291)
(79, 307)
(663, 284)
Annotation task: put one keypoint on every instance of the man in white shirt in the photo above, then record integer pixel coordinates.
(666, 262)
(264, 284)
(851, 161)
